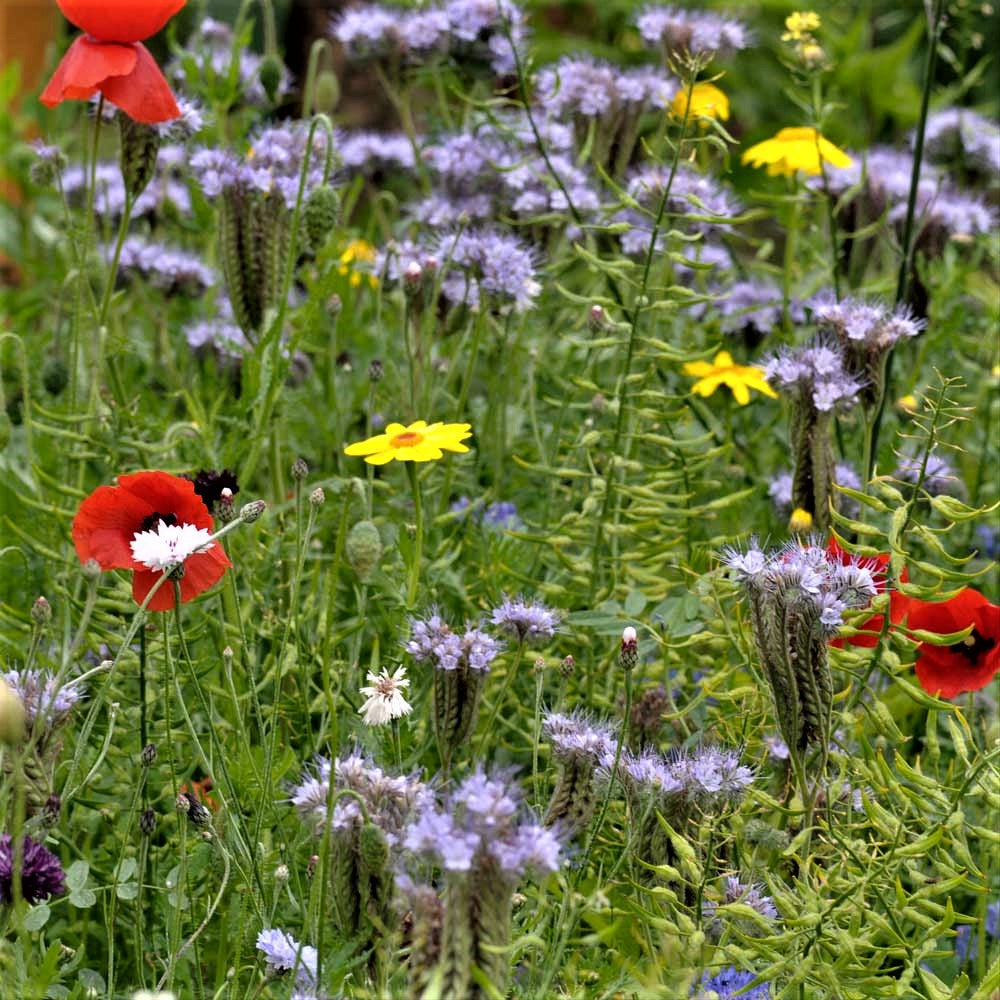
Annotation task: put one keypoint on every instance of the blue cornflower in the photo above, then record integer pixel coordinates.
(727, 984)
(284, 954)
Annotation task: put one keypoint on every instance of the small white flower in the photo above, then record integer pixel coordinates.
(169, 544)
(385, 697)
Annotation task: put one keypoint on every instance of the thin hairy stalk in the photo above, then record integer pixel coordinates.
(935, 28)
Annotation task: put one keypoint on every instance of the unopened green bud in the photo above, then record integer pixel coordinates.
(363, 549)
(320, 215)
(41, 611)
(91, 569)
(271, 70)
(55, 376)
(251, 511)
(326, 96)
(140, 145)
(12, 715)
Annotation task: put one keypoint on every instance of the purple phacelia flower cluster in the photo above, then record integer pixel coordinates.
(593, 88)
(935, 475)
(872, 324)
(697, 33)
(488, 263)
(965, 135)
(433, 640)
(482, 825)
(471, 32)
(375, 152)
(817, 374)
(390, 800)
(576, 737)
(272, 164)
(41, 871)
(780, 490)
(748, 893)
(166, 191)
(47, 700)
(528, 621)
(707, 776)
(174, 271)
(748, 310)
(804, 575)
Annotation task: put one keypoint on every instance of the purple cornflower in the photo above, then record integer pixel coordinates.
(816, 374)
(175, 271)
(46, 699)
(577, 737)
(529, 621)
(698, 33)
(41, 872)
(433, 639)
(284, 954)
(730, 984)
(389, 799)
(482, 824)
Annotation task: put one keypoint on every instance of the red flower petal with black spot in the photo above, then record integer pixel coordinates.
(871, 628)
(970, 663)
(110, 518)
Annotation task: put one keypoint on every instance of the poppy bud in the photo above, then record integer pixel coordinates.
(363, 548)
(320, 215)
(326, 96)
(270, 76)
(140, 146)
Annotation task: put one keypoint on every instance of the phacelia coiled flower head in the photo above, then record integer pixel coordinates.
(47, 700)
(697, 33)
(283, 953)
(528, 621)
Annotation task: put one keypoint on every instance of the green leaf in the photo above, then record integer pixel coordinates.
(76, 875)
(634, 603)
(37, 917)
(82, 899)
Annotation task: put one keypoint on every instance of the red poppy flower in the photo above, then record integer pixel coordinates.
(111, 58)
(873, 624)
(967, 665)
(110, 518)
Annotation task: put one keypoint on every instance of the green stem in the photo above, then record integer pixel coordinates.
(507, 681)
(418, 540)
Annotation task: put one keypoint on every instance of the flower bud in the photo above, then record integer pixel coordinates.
(363, 549)
(375, 371)
(568, 666)
(326, 96)
(41, 611)
(598, 318)
(55, 376)
(140, 146)
(282, 874)
(147, 822)
(317, 498)
(91, 569)
(12, 715)
(251, 511)
(225, 509)
(148, 755)
(320, 215)
(800, 522)
(51, 810)
(300, 469)
(628, 654)
(270, 76)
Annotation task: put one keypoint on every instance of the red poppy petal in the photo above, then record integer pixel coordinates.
(120, 20)
(106, 523)
(144, 95)
(947, 674)
(86, 65)
(167, 494)
(201, 571)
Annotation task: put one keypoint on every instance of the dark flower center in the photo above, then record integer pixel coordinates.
(150, 522)
(973, 647)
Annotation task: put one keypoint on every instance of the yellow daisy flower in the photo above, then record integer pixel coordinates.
(795, 149)
(707, 101)
(357, 251)
(419, 442)
(740, 378)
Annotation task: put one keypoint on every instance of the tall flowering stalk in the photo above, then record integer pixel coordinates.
(461, 661)
(484, 847)
(797, 594)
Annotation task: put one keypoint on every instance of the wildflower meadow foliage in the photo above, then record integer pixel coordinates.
(501, 499)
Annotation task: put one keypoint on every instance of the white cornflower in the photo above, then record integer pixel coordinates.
(168, 545)
(385, 697)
